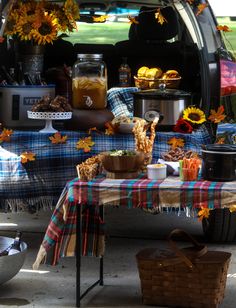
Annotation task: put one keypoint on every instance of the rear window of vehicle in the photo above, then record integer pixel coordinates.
(115, 29)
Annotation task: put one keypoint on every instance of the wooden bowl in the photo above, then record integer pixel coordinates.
(123, 163)
(145, 83)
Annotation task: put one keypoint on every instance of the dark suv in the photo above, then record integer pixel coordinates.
(188, 41)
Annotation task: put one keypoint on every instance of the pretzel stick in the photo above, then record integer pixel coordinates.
(143, 142)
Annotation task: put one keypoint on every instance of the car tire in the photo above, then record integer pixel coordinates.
(220, 226)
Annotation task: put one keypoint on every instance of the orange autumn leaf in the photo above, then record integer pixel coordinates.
(93, 129)
(232, 208)
(27, 156)
(58, 138)
(221, 140)
(217, 116)
(203, 213)
(160, 18)
(224, 28)
(190, 1)
(176, 142)
(132, 20)
(6, 135)
(111, 129)
(102, 18)
(85, 144)
(201, 8)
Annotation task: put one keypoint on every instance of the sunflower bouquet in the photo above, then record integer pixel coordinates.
(193, 117)
(40, 22)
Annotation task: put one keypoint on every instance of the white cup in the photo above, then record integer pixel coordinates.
(156, 171)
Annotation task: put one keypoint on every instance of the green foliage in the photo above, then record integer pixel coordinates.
(229, 37)
(102, 33)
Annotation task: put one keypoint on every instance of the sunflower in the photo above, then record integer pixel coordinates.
(11, 25)
(24, 29)
(71, 11)
(64, 24)
(47, 30)
(194, 115)
(40, 20)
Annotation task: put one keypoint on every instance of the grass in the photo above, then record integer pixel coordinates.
(110, 33)
(104, 33)
(229, 37)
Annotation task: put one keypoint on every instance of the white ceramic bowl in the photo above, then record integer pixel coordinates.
(126, 124)
(156, 171)
(10, 265)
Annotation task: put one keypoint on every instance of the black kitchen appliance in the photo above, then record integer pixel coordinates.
(219, 162)
(165, 103)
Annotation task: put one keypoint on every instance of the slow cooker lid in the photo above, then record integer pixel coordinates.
(158, 93)
(219, 147)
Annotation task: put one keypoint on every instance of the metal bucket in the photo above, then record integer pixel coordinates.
(10, 265)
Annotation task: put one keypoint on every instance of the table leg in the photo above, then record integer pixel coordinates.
(79, 233)
(78, 252)
(101, 210)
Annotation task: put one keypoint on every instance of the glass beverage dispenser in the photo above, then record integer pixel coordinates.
(89, 82)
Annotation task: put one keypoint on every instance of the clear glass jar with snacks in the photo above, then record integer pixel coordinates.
(89, 82)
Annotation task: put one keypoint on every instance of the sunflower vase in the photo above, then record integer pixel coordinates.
(31, 56)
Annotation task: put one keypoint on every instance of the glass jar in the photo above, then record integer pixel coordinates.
(89, 82)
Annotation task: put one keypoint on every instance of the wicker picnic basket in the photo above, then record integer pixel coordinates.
(187, 277)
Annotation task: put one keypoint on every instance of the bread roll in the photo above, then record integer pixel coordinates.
(170, 74)
(154, 72)
(142, 71)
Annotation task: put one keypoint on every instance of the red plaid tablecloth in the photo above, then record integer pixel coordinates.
(140, 192)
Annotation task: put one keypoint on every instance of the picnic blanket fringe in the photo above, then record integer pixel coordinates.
(41, 256)
(188, 212)
(29, 204)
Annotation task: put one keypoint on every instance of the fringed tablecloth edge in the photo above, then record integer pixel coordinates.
(33, 204)
(41, 257)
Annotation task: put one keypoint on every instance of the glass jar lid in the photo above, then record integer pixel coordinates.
(93, 56)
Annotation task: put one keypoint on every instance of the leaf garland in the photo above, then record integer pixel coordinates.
(201, 8)
(102, 18)
(160, 18)
(132, 20)
(224, 28)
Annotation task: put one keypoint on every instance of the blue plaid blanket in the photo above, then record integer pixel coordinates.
(39, 183)
(120, 101)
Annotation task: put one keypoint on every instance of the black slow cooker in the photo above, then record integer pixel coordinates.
(219, 162)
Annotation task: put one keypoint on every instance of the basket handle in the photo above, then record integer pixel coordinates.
(200, 249)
